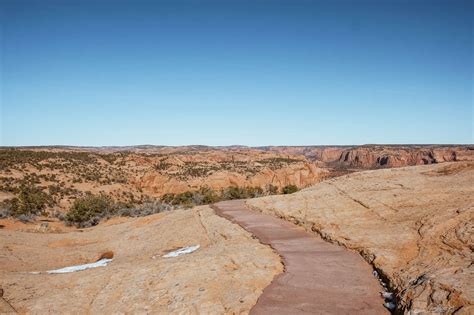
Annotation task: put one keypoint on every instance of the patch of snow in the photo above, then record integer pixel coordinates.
(100, 263)
(387, 295)
(182, 251)
(391, 306)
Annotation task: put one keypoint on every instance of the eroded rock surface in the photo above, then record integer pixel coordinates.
(319, 277)
(225, 275)
(62, 175)
(413, 223)
(135, 174)
(376, 156)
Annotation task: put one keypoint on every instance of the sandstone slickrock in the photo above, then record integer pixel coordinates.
(225, 275)
(415, 224)
(319, 277)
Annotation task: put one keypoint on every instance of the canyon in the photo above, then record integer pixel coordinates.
(376, 156)
(135, 174)
(407, 210)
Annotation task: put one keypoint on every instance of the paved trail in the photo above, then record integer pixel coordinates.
(319, 277)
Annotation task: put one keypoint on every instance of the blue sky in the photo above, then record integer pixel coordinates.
(236, 72)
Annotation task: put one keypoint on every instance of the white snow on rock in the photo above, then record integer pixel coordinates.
(387, 295)
(182, 251)
(390, 305)
(100, 263)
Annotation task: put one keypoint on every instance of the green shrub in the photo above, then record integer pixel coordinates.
(254, 192)
(89, 210)
(272, 189)
(31, 201)
(189, 199)
(182, 199)
(162, 165)
(208, 195)
(235, 192)
(289, 189)
(147, 208)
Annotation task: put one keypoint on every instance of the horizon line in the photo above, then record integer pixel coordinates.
(232, 145)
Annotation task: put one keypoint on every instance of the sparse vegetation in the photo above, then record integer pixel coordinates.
(31, 201)
(235, 192)
(82, 187)
(278, 162)
(162, 165)
(289, 189)
(205, 195)
(189, 199)
(272, 189)
(89, 210)
(147, 208)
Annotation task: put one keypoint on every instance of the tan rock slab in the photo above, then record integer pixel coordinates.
(416, 224)
(319, 277)
(225, 275)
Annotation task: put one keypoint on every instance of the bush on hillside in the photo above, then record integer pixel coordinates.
(289, 189)
(147, 208)
(89, 210)
(271, 189)
(30, 201)
(189, 199)
(235, 192)
(206, 195)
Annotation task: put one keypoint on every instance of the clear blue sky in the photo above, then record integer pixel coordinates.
(236, 72)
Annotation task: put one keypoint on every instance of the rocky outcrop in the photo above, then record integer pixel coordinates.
(376, 156)
(300, 174)
(134, 174)
(372, 157)
(414, 224)
(132, 177)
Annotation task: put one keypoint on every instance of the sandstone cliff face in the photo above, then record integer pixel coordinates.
(375, 156)
(134, 174)
(396, 157)
(131, 176)
(301, 174)
(415, 224)
(225, 275)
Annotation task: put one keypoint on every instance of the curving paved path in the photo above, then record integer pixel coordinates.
(319, 277)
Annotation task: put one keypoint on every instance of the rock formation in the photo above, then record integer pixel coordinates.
(131, 177)
(374, 156)
(414, 224)
(225, 275)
